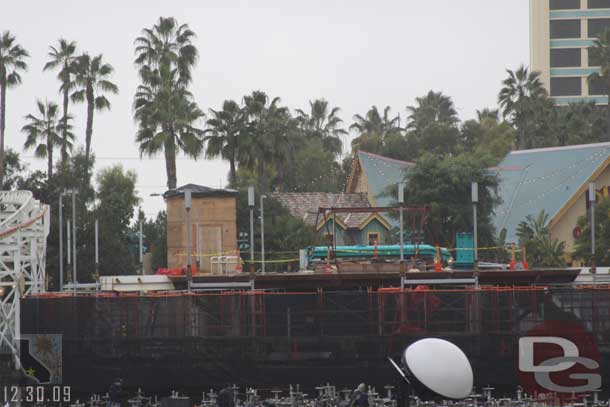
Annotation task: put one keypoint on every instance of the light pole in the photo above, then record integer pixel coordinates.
(263, 233)
(401, 201)
(74, 192)
(61, 242)
(187, 207)
(475, 200)
(592, 199)
(251, 201)
(141, 249)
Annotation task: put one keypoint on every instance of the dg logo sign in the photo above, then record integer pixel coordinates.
(559, 357)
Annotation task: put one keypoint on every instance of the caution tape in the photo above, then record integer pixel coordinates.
(271, 261)
(466, 249)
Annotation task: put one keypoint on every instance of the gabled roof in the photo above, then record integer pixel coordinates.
(199, 191)
(380, 172)
(544, 178)
(305, 206)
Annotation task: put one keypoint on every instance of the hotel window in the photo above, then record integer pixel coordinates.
(565, 57)
(598, 87)
(597, 26)
(566, 86)
(565, 4)
(598, 4)
(565, 28)
(373, 237)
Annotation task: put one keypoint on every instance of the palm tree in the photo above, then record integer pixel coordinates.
(43, 132)
(373, 128)
(169, 44)
(12, 60)
(166, 117)
(542, 249)
(164, 108)
(63, 56)
(323, 123)
(601, 51)
(268, 138)
(521, 98)
(434, 108)
(225, 128)
(91, 81)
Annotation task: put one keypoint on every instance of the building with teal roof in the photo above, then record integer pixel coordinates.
(551, 179)
(373, 174)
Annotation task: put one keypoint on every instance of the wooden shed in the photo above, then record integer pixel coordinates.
(213, 225)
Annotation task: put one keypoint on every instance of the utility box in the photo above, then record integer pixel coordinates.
(213, 219)
(464, 245)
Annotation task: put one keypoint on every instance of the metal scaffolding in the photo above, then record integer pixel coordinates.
(24, 227)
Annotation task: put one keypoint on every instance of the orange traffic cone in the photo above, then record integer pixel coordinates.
(513, 260)
(438, 264)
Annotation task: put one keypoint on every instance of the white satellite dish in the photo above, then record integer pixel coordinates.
(440, 366)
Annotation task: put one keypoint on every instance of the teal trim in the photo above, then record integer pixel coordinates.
(570, 43)
(579, 13)
(562, 101)
(573, 71)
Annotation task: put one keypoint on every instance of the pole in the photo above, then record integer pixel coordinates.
(74, 239)
(251, 205)
(401, 200)
(592, 199)
(97, 247)
(68, 234)
(187, 207)
(263, 233)
(61, 243)
(475, 200)
(142, 249)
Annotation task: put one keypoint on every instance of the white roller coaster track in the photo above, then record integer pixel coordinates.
(24, 227)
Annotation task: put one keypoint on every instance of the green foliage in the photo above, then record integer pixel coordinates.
(487, 137)
(226, 128)
(117, 197)
(284, 234)
(373, 129)
(12, 61)
(43, 133)
(91, 83)
(445, 186)
(541, 249)
(165, 110)
(601, 52)
(524, 101)
(270, 138)
(322, 123)
(155, 235)
(64, 56)
(582, 248)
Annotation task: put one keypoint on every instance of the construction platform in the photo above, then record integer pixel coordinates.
(377, 276)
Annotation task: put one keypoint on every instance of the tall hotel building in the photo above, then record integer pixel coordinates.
(561, 33)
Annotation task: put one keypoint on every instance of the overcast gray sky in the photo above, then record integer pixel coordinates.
(353, 53)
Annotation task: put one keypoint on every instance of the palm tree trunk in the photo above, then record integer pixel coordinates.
(2, 125)
(64, 136)
(49, 159)
(233, 172)
(170, 163)
(89, 130)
